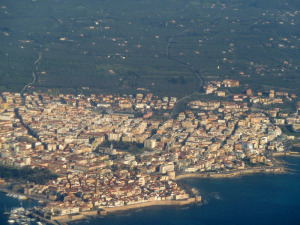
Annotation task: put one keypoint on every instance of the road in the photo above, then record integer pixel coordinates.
(171, 39)
(196, 73)
(33, 74)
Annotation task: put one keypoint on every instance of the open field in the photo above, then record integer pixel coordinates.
(119, 46)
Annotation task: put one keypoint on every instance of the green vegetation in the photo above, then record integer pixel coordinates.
(36, 175)
(288, 130)
(294, 145)
(295, 142)
(119, 46)
(286, 107)
(131, 147)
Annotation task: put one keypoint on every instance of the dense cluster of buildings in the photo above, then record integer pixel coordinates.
(267, 98)
(64, 134)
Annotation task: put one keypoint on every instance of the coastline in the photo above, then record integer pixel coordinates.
(231, 174)
(104, 211)
(210, 196)
(277, 170)
(152, 203)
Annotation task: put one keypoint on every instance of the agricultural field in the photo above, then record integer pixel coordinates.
(168, 47)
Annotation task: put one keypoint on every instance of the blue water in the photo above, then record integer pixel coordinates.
(265, 199)
(8, 203)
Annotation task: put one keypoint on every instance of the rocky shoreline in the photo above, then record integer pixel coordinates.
(276, 170)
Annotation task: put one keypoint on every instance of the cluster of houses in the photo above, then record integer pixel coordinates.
(64, 134)
(266, 98)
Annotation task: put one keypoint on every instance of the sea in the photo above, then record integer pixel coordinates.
(8, 203)
(258, 199)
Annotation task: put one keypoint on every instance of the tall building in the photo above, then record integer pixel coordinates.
(249, 92)
(272, 94)
(150, 143)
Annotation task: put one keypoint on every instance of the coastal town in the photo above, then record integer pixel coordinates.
(112, 152)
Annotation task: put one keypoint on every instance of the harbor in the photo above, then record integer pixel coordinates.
(15, 209)
(20, 197)
(20, 216)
